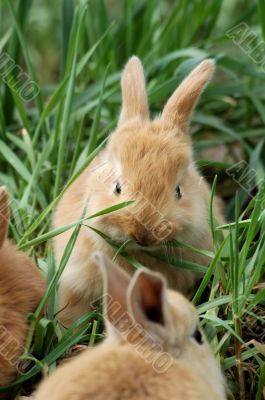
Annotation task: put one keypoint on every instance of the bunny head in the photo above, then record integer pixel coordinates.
(150, 162)
(153, 319)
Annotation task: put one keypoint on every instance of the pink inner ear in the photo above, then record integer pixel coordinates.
(146, 297)
(152, 302)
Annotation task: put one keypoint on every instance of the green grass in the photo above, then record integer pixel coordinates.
(76, 108)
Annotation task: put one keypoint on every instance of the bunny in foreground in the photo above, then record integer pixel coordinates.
(21, 289)
(154, 347)
(150, 162)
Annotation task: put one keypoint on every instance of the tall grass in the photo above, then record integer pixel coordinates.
(75, 51)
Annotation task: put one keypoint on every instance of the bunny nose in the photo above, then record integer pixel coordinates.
(142, 243)
(141, 240)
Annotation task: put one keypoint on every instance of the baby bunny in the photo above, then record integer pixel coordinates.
(151, 163)
(154, 347)
(21, 289)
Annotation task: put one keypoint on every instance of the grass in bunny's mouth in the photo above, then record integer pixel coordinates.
(50, 140)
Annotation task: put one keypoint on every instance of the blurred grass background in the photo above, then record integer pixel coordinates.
(75, 52)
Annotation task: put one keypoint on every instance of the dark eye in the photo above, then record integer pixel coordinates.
(197, 336)
(178, 192)
(117, 189)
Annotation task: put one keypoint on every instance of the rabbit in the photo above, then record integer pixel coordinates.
(21, 289)
(151, 163)
(154, 347)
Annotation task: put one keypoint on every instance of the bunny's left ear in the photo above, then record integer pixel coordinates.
(178, 109)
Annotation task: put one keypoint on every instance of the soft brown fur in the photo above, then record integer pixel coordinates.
(124, 366)
(150, 158)
(21, 288)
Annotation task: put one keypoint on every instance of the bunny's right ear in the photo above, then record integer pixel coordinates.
(4, 214)
(134, 96)
(116, 283)
(147, 303)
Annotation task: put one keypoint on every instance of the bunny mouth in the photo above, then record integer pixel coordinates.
(133, 245)
(133, 242)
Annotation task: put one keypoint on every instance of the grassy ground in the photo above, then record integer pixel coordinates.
(75, 51)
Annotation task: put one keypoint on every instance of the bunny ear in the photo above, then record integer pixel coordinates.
(147, 301)
(178, 109)
(134, 96)
(116, 283)
(4, 214)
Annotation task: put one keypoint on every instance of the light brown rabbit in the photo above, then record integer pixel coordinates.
(151, 163)
(21, 289)
(154, 347)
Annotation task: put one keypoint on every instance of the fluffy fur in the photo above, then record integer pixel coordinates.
(124, 366)
(149, 159)
(21, 288)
